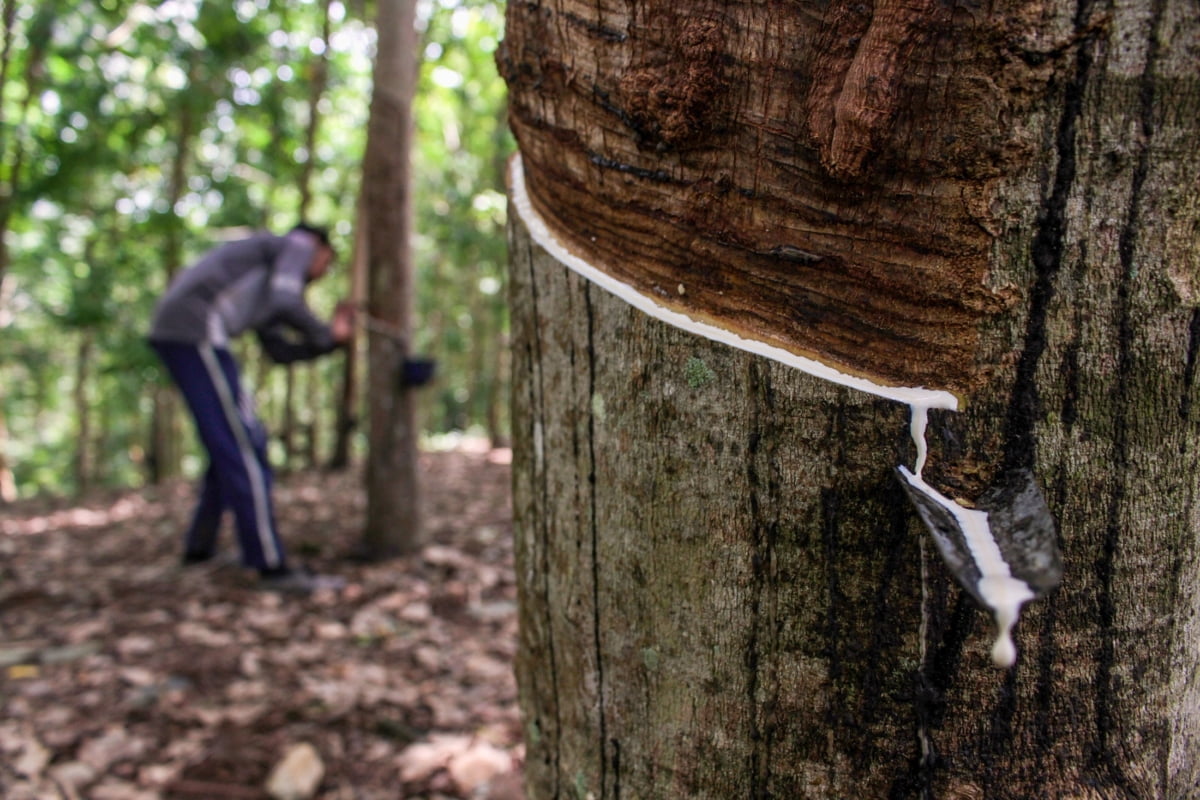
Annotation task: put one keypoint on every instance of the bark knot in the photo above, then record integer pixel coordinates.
(670, 95)
(856, 83)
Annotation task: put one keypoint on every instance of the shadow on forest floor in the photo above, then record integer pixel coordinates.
(123, 675)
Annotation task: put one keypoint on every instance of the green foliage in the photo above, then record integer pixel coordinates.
(462, 144)
(99, 100)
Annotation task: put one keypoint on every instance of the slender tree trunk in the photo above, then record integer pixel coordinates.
(499, 394)
(393, 508)
(306, 420)
(318, 80)
(724, 591)
(12, 150)
(496, 415)
(349, 402)
(479, 360)
(8, 13)
(83, 412)
(311, 440)
(487, 366)
(287, 430)
(165, 459)
(39, 30)
(8, 483)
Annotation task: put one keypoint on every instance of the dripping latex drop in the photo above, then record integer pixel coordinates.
(997, 588)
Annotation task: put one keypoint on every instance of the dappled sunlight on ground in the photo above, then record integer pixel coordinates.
(82, 517)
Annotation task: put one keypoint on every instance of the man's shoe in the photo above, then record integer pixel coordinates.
(211, 560)
(299, 581)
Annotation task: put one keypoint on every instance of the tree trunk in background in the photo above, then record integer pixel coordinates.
(83, 411)
(8, 483)
(393, 509)
(287, 430)
(723, 589)
(304, 420)
(349, 400)
(497, 422)
(162, 461)
(12, 147)
(318, 80)
(166, 450)
(480, 362)
(12, 150)
(500, 391)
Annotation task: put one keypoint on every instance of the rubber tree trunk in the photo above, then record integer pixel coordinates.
(723, 589)
(166, 450)
(393, 507)
(8, 483)
(302, 378)
(13, 152)
(349, 397)
(84, 460)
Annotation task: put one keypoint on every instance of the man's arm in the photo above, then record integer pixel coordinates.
(284, 345)
(289, 276)
(291, 332)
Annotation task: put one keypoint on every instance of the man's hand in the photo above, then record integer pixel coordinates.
(342, 324)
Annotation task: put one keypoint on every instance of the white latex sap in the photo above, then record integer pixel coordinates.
(541, 233)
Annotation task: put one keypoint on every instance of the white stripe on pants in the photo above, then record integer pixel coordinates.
(258, 486)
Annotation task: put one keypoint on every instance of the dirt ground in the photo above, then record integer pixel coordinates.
(124, 676)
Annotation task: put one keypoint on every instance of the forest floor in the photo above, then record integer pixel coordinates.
(124, 676)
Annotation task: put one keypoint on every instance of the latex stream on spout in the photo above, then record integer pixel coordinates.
(996, 586)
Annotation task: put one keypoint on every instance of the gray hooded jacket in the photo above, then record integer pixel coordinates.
(252, 284)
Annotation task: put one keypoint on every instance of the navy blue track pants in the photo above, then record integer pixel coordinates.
(238, 476)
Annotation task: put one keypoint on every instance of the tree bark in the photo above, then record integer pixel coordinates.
(304, 420)
(13, 152)
(84, 461)
(724, 591)
(393, 509)
(287, 428)
(349, 396)
(498, 393)
(166, 452)
(8, 483)
(318, 80)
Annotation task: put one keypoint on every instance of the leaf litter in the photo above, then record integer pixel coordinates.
(124, 675)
